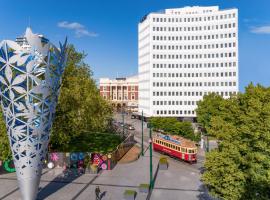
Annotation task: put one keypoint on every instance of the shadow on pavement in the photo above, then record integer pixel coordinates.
(204, 195)
(102, 195)
(56, 184)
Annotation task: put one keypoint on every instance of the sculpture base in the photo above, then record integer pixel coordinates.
(29, 187)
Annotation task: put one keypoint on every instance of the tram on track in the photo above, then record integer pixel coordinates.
(175, 146)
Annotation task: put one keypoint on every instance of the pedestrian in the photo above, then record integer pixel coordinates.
(97, 191)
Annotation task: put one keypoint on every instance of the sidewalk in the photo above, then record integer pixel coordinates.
(180, 181)
(122, 177)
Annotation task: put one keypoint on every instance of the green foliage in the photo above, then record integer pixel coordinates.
(5, 151)
(239, 168)
(80, 109)
(92, 142)
(173, 126)
(208, 107)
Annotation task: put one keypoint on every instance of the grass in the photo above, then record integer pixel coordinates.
(93, 142)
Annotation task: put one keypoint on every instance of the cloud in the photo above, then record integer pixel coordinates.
(80, 30)
(261, 29)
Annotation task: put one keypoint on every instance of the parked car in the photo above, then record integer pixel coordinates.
(129, 127)
(120, 124)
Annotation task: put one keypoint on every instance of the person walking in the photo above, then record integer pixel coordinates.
(97, 191)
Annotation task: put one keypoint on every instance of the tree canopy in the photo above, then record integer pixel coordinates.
(80, 108)
(173, 126)
(208, 107)
(5, 151)
(240, 167)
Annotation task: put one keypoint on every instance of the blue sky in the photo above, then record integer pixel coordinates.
(107, 30)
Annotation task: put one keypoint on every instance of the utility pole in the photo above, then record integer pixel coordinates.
(123, 121)
(151, 158)
(142, 136)
(207, 144)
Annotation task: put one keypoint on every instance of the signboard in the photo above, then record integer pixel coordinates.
(167, 137)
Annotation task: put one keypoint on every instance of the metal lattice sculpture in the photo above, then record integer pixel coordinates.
(30, 80)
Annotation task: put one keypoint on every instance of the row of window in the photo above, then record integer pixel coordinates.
(193, 84)
(194, 28)
(213, 74)
(191, 47)
(165, 93)
(161, 103)
(194, 56)
(119, 88)
(175, 147)
(194, 19)
(194, 37)
(198, 65)
(114, 97)
(175, 112)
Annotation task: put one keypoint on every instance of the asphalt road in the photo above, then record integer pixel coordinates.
(138, 135)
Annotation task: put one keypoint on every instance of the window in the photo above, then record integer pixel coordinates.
(190, 150)
(183, 150)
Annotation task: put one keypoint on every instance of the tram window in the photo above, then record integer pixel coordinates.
(178, 148)
(183, 150)
(190, 151)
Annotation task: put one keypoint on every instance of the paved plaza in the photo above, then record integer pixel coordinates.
(180, 181)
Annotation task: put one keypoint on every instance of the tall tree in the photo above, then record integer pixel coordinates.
(5, 151)
(208, 107)
(80, 108)
(240, 167)
(173, 126)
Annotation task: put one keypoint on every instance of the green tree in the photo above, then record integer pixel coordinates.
(171, 125)
(80, 107)
(239, 168)
(5, 151)
(208, 107)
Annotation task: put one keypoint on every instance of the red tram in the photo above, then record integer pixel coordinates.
(176, 146)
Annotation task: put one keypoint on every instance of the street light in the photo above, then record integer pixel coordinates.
(142, 136)
(151, 156)
(123, 121)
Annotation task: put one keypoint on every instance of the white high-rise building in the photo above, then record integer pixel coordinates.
(185, 53)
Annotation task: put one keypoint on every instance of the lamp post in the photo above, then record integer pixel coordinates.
(142, 136)
(151, 157)
(123, 121)
(207, 143)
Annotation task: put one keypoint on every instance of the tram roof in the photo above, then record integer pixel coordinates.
(183, 142)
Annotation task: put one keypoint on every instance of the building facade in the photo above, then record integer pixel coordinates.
(122, 92)
(184, 54)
